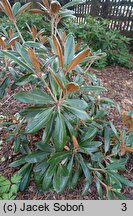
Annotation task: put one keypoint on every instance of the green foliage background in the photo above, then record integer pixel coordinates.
(96, 34)
(31, 19)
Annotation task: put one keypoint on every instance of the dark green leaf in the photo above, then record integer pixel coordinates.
(31, 112)
(114, 181)
(59, 156)
(81, 114)
(77, 103)
(84, 168)
(53, 85)
(69, 127)
(59, 133)
(24, 54)
(99, 189)
(44, 147)
(110, 195)
(129, 139)
(114, 131)
(69, 49)
(18, 162)
(24, 79)
(62, 176)
(92, 88)
(85, 188)
(64, 170)
(10, 55)
(48, 177)
(24, 148)
(59, 180)
(16, 144)
(35, 45)
(25, 179)
(41, 167)
(36, 96)
(98, 156)
(75, 177)
(23, 170)
(89, 135)
(49, 61)
(89, 147)
(117, 164)
(36, 157)
(106, 139)
(16, 7)
(39, 121)
(3, 87)
(123, 180)
(120, 195)
(48, 130)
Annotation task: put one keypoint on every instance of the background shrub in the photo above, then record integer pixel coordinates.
(31, 19)
(95, 33)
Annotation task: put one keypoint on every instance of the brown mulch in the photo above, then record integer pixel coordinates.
(119, 84)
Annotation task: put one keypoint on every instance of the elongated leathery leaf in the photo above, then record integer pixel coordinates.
(48, 130)
(117, 164)
(62, 176)
(16, 8)
(77, 103)
(92, 88)
(39, 121)
(25, 179)
(69, 49)
(36, 157)
(81, 114)
(72, 3)
(59, 134)
(87, 136)
(106, 139)
(122, 179)
(84, 168)
(59, 156)
(18, 61)
(36, 96)
(3, 87)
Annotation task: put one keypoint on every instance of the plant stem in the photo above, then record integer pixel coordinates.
(48, 89)
(106, 186)
(88, 66)
(52, 27)
(91, 168)
(6, 63)
(15, 24)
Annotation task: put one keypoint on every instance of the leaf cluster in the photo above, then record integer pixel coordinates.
(67, 112)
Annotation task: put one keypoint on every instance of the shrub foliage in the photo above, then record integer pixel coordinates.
(76, 140)
(96, 34)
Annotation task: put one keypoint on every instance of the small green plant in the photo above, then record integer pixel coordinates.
(96, 34)
(69, 115)
(9, 188)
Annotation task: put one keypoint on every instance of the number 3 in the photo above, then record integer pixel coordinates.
(124, 207)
